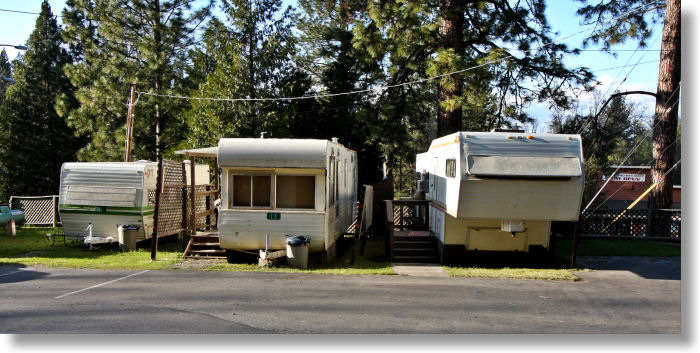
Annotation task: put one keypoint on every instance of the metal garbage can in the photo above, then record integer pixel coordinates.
(127, 237)
(298, 251)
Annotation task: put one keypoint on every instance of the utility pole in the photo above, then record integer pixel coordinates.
(128, 141)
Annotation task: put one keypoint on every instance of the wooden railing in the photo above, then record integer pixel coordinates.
(405, 215)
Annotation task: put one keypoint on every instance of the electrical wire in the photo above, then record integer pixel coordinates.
(627, 182)
(629, 154)
(382, 88)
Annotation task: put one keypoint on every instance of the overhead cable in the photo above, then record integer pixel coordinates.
(382, 88)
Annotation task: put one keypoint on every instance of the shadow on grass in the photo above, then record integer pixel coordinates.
(31, 247)
(372, 261)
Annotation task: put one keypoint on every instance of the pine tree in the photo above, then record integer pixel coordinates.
(120, 43)
(512, 41)
(5, 74)
(253, 57)
(336, 67)
(36, 140)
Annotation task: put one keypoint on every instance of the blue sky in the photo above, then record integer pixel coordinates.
(15, 29)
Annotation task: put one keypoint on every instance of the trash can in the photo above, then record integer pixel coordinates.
(298, 251)
(127, 237)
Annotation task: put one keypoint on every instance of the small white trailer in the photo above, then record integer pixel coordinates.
(499, 191)
(275, 188)
(96, 198)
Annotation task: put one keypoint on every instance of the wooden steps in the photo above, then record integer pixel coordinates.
(204, 245)
(421, 248)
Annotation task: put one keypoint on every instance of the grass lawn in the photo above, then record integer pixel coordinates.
(30, 247)
(561, 274)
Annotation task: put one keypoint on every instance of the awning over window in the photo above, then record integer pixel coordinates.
(523, 166)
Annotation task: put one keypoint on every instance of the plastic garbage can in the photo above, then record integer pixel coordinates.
(298, 251)
(127, 237)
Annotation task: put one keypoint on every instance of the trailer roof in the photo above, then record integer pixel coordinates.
(108, 167)
(275, 153)
(199, 152)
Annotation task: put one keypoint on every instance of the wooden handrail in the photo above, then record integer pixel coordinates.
(205, 193)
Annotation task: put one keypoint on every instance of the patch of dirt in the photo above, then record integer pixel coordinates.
(197, 265)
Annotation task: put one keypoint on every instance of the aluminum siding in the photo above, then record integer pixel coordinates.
(246, 229)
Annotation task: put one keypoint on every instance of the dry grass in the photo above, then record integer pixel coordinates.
(512, 273)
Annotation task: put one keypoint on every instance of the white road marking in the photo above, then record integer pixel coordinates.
(101, 284)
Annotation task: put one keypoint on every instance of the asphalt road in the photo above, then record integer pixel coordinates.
(44, 300)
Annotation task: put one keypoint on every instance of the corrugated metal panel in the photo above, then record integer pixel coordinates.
(104, 174)
(245, 230)
(100, 195)
(274, 153)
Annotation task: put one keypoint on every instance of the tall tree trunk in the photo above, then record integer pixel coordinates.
(666, 114)
(251, 69)
(158, 71)
(451, 37)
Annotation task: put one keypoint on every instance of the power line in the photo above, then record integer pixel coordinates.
(653, 185)
(623, 66)
(25, 12)
(380, 88)
(627, 182)
(629, 154)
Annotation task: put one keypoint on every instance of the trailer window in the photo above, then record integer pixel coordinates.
(261, 190)
(296, 191)
(451, 167)
(251, 190)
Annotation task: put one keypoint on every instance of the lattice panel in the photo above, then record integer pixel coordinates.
(38, 210)
(664, 223)
(171, 198)
(667, 223)
(201, 203)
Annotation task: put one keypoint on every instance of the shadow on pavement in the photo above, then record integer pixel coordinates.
(11, 273)
(668, 268)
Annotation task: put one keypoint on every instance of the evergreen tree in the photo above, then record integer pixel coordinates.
(120, 43)
(5, 74)
(512, 41)
(253, 57)
(336, 67)
(35, 140)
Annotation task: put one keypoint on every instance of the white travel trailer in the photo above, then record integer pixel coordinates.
(276, 188)
(499, 191)
(106, 195)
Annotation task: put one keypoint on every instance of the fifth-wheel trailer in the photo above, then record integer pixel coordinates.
(500, 191)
